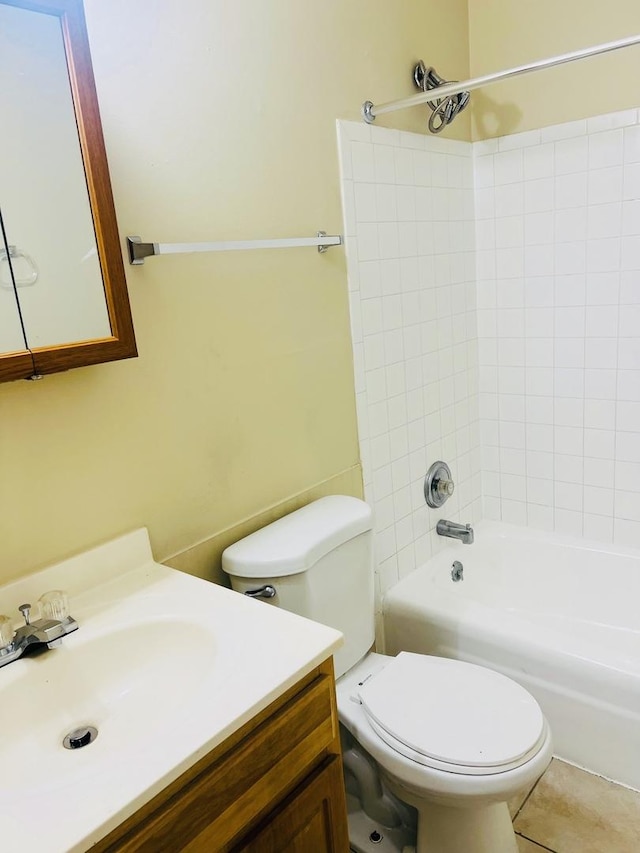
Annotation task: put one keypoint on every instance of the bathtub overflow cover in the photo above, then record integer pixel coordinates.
(457, 571)
(80, 737)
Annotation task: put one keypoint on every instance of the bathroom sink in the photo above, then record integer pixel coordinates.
(117, 682)
(163, 665)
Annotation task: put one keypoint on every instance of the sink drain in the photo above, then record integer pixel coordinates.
(80, 737)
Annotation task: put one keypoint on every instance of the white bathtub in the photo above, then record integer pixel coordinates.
(559, 615)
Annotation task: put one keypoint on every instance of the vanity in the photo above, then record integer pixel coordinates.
(275, 784)
(215, 718)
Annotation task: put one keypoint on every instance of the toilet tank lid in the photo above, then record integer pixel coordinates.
(295, 542)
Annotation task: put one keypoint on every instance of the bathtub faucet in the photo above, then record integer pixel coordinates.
(463, 532)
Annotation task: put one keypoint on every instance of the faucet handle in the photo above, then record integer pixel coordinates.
(55, 605)
(445, 487)
(438, 484)
(6, 632)
(25, 609)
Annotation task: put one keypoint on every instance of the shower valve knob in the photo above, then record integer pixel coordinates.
(445, 487)
(438, 484)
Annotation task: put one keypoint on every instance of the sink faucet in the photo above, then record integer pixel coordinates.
(39, 634)
(463, 532)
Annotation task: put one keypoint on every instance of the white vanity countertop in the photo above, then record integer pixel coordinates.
(164, 665)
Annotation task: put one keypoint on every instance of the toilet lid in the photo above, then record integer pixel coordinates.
(449, 712)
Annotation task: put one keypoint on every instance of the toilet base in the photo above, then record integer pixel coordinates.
(450, 829)
(442, 829)
(369, 836)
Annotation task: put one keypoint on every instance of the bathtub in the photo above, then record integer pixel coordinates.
(561, 616)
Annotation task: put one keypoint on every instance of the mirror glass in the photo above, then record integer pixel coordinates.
(51, 262)
(12, 337)
(61, 265)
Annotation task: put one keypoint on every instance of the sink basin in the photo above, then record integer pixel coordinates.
(130, 684)
(165, 666)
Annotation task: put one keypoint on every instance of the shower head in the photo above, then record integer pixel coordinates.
(443, 110)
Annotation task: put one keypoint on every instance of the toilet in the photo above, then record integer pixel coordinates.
(451, 739)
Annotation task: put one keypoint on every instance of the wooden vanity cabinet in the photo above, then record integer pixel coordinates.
(274, 785)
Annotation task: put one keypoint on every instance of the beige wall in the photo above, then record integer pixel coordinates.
(219, 120)
(507, 33)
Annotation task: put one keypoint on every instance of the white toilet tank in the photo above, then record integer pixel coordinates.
(320, 561)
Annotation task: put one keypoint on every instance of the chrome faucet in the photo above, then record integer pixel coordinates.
(463, 532)
(39, 634)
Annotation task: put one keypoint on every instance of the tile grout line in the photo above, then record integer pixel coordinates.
(541, 846)
(526, 799)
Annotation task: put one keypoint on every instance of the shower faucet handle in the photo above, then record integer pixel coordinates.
(438, 484)
(446, 487)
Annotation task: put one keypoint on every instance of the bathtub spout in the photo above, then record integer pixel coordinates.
(463, 532)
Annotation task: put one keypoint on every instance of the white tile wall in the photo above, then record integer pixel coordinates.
(495, 299)
(558, 238)
(409, 227)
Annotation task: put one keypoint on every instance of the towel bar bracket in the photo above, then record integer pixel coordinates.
(138, 250)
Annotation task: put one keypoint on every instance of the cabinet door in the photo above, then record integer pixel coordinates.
(311, 819)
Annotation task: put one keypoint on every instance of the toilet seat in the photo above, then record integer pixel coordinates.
(453, 716)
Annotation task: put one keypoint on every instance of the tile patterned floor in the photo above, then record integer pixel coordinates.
(571, 811)
(526, 846)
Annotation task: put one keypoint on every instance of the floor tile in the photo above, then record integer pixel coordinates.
(526, 846)
(515, 803)
(572, 811)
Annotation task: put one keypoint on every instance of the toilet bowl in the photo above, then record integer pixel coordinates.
(454, 740)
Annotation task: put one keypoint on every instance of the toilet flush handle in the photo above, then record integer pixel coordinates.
(266, 591)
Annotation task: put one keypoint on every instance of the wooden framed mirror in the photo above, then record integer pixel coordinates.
(63, 292)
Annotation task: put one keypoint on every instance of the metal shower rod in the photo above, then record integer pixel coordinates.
(370, 111)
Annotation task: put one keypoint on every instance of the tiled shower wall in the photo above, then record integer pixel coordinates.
(409, 227)
(558, 238)
(556, 276)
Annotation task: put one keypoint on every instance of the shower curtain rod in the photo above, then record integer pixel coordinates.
(371, 111)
